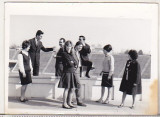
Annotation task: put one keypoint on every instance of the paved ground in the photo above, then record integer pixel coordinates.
(50, 106)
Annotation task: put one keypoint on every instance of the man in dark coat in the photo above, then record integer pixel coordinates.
(36, 46)
(59, 65)
(84, 53)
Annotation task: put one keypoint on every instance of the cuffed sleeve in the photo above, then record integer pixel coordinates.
(111, 64)
(20, 63)
(46, 49)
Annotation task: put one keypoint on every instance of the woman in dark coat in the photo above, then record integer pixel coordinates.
(131, 81)
(68, 81)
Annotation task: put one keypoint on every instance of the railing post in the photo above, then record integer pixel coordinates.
(113, 92)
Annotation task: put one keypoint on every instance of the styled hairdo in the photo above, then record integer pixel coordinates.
(62, 39)
(108, 48)
(67, 43)
(82, 37)
(25, 44)
(133, 54)
(39, 32)
(78, 43)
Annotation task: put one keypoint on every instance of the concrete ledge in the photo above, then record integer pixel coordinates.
(46, 86)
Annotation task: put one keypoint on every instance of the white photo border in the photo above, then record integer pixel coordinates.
(4, 66)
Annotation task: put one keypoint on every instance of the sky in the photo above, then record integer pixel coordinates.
(121, 33)
(123, 25)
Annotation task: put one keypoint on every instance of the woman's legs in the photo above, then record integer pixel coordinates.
(134, 96)
(123, 99)
(23, 91)
(107, 99)
(102, 94)
(65, 95)
(70, 95)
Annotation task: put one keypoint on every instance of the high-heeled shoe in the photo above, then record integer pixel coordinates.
(99, 101)
(72, 106)
(26, 99)
(120, 106)
(22, 100)
(66, 107)
(106, 102)
(132, 107)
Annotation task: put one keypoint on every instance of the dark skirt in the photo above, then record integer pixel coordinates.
(68, 80)
(25, 80)
(128, 87)
(105, 81)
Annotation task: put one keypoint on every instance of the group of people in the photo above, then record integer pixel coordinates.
(69, 61)
(83, 50)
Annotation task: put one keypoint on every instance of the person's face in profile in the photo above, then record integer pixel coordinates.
(79, 47)
(105, 52)
(39, 37)
(129, 57)
(69, 48)
(61, 43)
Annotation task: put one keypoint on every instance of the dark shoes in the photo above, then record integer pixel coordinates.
(132, 107)
(120, 106)
(81, 104)
(92, 68)
(99, 101)
(24, 100)
(87, 75)
(35, 74)
(72, 106)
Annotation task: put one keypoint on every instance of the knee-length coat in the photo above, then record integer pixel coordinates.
(131, 76)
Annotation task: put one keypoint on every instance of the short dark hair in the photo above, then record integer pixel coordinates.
(25, 44)
(108, 48)
(78, 43)
(82, 37)
(39, 32)
(133, 54)
(62, 39)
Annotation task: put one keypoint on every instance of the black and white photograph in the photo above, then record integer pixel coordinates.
(81, 58)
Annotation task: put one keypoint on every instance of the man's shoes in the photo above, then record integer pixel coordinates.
(87, 75)
(92, 68)
(81, 104)
(35, 74)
